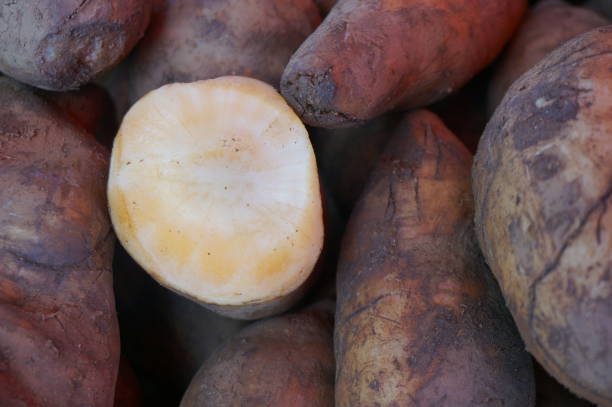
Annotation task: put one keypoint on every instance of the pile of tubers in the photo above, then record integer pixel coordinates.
(305, 203)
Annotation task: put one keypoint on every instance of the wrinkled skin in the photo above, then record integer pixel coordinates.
(59, 339)
(420, 320)
(63, 44)
(548, 25)
(543, 190)
(284, 361)
(372, 56)
(191, 40)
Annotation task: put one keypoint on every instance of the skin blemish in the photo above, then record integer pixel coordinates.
(542, 102)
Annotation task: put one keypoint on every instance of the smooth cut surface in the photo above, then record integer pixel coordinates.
(214, 191)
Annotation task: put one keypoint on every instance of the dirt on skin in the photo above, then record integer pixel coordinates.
(283, 361)
(57, 307)
(61, 45)
(420, 319)
(369, 57)
(201, 39)
(543, 189)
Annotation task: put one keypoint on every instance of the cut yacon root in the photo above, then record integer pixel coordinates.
(214, 190)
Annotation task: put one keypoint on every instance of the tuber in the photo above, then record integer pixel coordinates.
(214, 191)
(543, 191)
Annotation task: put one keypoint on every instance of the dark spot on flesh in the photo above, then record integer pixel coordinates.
(374, 385)
(558, 105)
(545, 166)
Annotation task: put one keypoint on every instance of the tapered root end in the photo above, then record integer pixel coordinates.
(311, 95)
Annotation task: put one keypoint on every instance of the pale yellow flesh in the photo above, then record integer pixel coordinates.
(213, 189)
